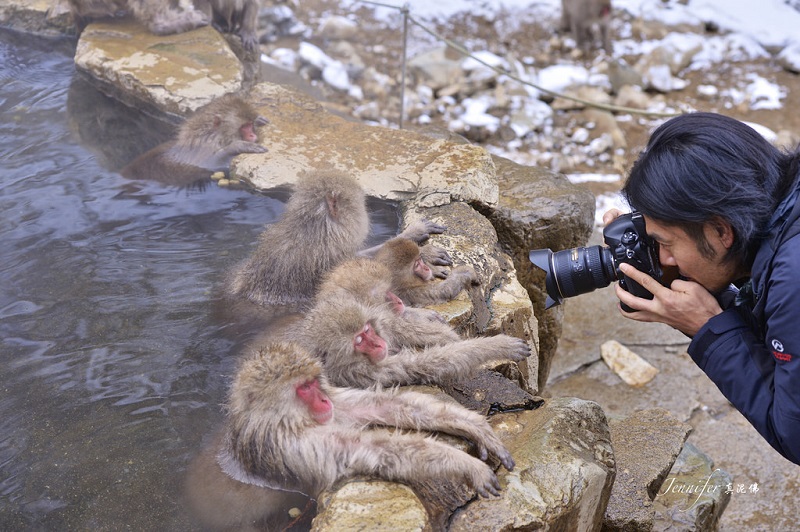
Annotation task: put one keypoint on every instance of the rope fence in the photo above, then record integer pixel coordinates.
(409, 19)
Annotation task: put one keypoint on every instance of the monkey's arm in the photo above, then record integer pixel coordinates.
(434, 292)
(418, 411)
(454, 360)
(420, 328)
(418, 232)
(413, 457)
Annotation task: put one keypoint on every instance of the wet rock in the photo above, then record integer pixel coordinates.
(44, 18)
(302, 135)
(176, 74)
(373, 505)
(489, 392)
(640, 473)
(563, 474)
(694, 494)
(539, 209)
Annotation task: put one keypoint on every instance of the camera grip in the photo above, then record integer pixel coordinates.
(629, 285)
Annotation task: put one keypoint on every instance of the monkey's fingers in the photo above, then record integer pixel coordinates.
(507, 461)
(260, 121)
(490, 487)
(440, 272)
(435, 256)
(520, 350)
(434, 228)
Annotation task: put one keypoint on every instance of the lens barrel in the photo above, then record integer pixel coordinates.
(575, 271)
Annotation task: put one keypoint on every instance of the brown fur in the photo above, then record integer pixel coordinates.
(399, 254)
(579, 16)
(330, 327)
(237, 16)
(161, 17)
(324, 224)
(367, 281)
(271, 438)
(207, 141)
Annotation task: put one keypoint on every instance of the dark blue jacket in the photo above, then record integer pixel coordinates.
(752, 351)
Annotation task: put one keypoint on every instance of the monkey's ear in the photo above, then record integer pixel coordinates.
(217, 121)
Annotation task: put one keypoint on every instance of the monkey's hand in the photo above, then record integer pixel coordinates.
(516, 349)
(260, 121)
(488, 444)
(242, 146)
(421, 231)
(466, 274)
(435, 256)
(484, 481)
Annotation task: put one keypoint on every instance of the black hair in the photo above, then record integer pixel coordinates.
(702, 167)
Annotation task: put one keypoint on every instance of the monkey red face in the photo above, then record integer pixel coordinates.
(422, 270)
(248, 132)
(317, 403)
(368, 342)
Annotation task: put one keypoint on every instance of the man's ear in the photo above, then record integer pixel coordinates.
(724, 231)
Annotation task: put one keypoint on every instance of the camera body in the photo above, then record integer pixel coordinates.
(576, 271)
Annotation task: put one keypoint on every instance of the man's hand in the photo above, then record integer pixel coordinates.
(685, 305)
(610, 215)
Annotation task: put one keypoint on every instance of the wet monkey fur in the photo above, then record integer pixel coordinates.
(355, 343)
(369, 282)
(287, 427)
(325, 223)
(207, 141)
(413, 279)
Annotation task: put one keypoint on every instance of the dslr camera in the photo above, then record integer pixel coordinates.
(576, 271)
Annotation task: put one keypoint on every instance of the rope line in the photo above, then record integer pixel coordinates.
(501, 71)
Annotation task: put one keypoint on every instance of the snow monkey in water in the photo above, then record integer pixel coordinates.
(324, 224)
(207, 141)
(288, 428)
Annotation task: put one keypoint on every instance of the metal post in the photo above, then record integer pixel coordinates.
(403, 75)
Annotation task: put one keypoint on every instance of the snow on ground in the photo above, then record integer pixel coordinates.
(753, 27)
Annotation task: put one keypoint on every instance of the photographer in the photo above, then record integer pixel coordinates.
(722, 204)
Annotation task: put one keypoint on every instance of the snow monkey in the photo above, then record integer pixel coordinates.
(579, 16)
(412, 278)
(161, 17)
(164, 17)
(324, 224)
(368, 281)
(207, 141)
(355, 344)
(288, 428)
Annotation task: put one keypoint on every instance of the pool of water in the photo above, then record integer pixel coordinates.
(114, 365)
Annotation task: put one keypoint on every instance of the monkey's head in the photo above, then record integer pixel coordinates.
(334, 193)
(275, 379)
(402, 257)
(343, 329)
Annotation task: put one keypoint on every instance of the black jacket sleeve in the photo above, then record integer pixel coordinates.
(761, 378)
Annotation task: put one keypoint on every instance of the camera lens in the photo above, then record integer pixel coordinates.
(576, 271)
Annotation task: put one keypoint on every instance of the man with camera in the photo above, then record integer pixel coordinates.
(720, 204)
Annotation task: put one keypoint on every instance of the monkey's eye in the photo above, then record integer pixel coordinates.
(359, 339)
